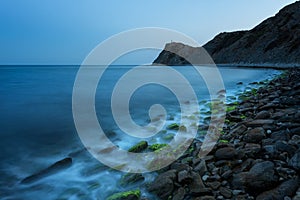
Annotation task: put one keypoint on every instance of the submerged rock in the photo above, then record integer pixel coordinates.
(53, 169)
(129, 179)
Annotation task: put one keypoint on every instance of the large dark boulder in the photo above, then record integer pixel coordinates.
(163, 185)
(261, 177)
(295, 161)
(287, 188)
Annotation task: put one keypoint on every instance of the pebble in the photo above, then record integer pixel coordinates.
(205, 177)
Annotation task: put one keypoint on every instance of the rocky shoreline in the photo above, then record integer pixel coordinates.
(257, 156)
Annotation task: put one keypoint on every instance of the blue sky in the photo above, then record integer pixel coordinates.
(65, 31)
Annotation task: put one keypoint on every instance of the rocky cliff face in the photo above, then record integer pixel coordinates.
(275, 40)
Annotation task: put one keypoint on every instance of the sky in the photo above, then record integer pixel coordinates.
(65, 31)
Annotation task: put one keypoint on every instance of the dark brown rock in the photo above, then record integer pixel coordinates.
(197, 186)
(254, 135)
(163, 185)
(179, 194)
(287, 188)
(184, 177)
(238, 130)
(261, 177)
(201, 167)
(263, 115)
(226, 192)
(225, 153)
(214, 185)
(252, 149)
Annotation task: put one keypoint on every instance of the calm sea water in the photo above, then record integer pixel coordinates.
(37, 127)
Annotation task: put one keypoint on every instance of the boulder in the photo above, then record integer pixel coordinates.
(295, 161)
(254, 135)
(129, 179)
(128, 195)
(261, 177)
(263, 115)
(139, 147)
(225, 153)
(163, 185)
(287, 188)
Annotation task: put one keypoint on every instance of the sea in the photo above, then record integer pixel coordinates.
(38, 129)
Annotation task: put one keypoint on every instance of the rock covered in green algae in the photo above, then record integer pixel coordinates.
(139, 147)
(128, 195)
(129, 179)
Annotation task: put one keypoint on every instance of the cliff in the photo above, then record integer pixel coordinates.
(275, 40)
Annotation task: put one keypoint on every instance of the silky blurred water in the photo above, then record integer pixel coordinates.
(37, 127)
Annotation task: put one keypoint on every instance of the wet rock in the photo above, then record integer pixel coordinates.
(245, 166)
(179, 194)
(267, 141)
(270, 149)
(163, 185)
(197, 186)
(295, 131)
(287, 188)
(295, 161)
(184, 176)
(263, 115)
(237, 192)
(139, 147)
(129, 179)
(205, 198)
(201, 167)
(239, 180)
(180, 166)
(227, 174)
(238, 130)
(252, 149)
(128, 195)
(261, 177)
(295, 140)
(254, 135)
(280, 135)
(214, 185)
(259, 122)
(269, 106)
(278, 115)
(283, 146)
(226, 192)
(225, 153)
(53, 169)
